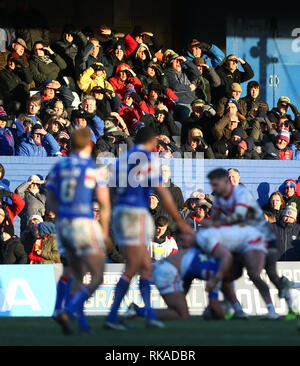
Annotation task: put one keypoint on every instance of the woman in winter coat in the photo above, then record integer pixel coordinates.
(11, 249)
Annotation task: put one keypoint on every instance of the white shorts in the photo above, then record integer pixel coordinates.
(166, 277)
(237, 238)
(132, 226)
(82, 235)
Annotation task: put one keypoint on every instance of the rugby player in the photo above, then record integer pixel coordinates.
(235, 205)
(81, 239)
(137, 172)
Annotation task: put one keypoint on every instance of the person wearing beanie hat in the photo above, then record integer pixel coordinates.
(289, 196)
(11, 249)
(237, 135)
(283, 135)
(286, 228)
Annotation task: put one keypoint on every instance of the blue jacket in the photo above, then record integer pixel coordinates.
(7, 143)
(296, 153)
(215, 57)
(48, 147)
(96, 125)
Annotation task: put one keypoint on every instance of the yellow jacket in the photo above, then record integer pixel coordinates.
(87, 81)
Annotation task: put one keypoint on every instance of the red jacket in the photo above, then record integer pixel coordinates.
(130, 44)
(169, 100)
(120, 87)
(17, 206)
(130, 113)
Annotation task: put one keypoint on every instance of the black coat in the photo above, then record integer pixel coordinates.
(292, 254)
(12, 252)
(285, 234)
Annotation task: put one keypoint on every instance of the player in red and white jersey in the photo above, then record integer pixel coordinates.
(235, 205)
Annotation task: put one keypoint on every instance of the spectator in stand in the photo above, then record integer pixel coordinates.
(162, 122)
(162, 244)
(92, 53)
(196, 144)
(81, 119)
(278, 148)
(28, 235)
(290, 195)
(51, 92)
(33, 106)
(234, 176)
(106, 102)
(229, 73)
(34, 195)
(11, 249)
(210, 53)
(10, 208)
(90, 107)
(283, 105)
(18, 47)
(141, 58)
(292, 254)
(260, 128)
(14, 84)
(208, 80)
(153, 74)
(7, 143)
(181, 74)
(276, 204)
(45, 249)
(230, 121)
(235, 93)
(286, 229)
(243, 150)
(118, 56)
(203, 117)
(296, 145)
(199, 213)
(71, 42)
(130, 109)
(253, 100)
(123, 77)
(38, 143)
(45, 64)
(92, 77)
(196, 198)
(173, 188)
(156, 95)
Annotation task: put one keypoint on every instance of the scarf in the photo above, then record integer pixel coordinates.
(45, 59)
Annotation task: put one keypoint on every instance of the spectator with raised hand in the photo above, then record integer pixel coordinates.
(39, 143)
(196, 144)
(90, 54)
(208, 80)
(286, 228)
(283, 105)
(229, 73)
(153, 74)
(141, 58)
(11, 248)
(181, 82)
(45, 64)
(14, 84)
(130, 109)
(161, 121)
(124, 76)
(11, 205)
(18, 46)
(210, 53)
(117, 55)
(34, 195)
(199, 213)
(253, 100)
(71, 42)
(92, 77)
(244, 150)
(28, 234)
(230, 121)
(51, 92)
(80, 118)
(203, 117)
(7, 143)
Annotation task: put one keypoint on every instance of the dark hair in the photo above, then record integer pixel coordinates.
(217, 174)
(144, 135)
(38, 42)
(161, 221)
(252, 84)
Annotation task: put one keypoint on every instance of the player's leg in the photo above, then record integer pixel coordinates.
(254, 261)
(177, 307)
(133, 257)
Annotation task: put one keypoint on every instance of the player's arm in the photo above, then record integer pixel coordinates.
(170, 206)
(222, 253)
(103, 197)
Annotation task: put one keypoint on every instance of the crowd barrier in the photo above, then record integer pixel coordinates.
(30, 291)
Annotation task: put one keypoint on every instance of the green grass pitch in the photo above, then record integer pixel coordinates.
(194, 332)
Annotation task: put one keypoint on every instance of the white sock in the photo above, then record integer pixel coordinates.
(237, 306)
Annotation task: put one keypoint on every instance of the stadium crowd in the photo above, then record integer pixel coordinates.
(115, 84)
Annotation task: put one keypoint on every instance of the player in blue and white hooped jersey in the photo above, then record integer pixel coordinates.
(81, 239)
(173, 276)
(137, 175)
